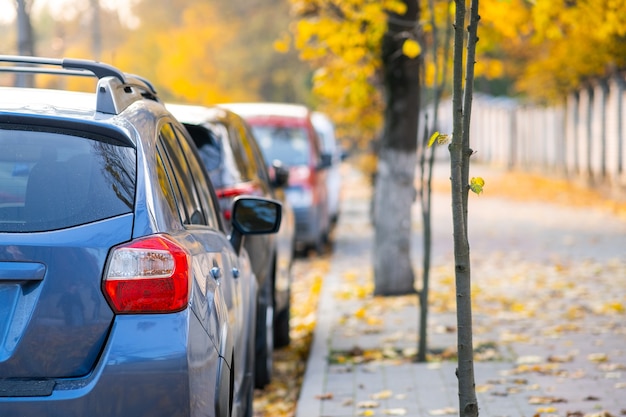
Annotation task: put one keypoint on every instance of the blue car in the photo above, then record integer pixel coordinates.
(120, 292)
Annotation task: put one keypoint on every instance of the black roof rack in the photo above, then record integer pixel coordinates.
(115, 91)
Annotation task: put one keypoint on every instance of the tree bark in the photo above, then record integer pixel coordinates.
(460, 153)
(394, 189)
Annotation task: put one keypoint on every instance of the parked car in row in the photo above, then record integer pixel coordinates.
(236, 166)
(329, 144)
(122, 293)
(285, 133)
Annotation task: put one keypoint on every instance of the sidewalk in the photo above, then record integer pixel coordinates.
(549, 325)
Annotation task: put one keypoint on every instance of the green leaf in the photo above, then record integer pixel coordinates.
(477, 184)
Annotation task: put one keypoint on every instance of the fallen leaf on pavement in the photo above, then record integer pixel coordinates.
(546, 410)
(560, 359)
(448, 411)
(546, 400)
(382, 395)
(367, 404)
(326, 396)
(598, 357)
(395, 412)
(366, 413)
(591, 398)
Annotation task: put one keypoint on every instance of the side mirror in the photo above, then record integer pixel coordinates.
(344, 154)
(326, 160)
(253, 216)
(279, 174)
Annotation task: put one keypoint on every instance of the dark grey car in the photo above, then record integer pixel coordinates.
(236, 167)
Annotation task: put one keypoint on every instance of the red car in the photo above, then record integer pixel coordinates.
(285, 133)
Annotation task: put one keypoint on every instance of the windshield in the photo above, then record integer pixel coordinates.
(289, 145)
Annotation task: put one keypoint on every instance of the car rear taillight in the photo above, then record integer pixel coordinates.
(248, 188)
(148, 275)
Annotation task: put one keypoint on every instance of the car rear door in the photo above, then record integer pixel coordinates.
(66, 198)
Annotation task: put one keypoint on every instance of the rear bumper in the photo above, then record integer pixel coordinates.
(309, 227)
(146, 369)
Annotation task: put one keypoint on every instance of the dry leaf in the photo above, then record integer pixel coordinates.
(395, 412)
(598, 357)
(367, 404)
(326, 396)
(382, 395)
(546, 400)
(448, 411)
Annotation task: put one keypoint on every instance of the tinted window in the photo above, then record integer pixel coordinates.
(183, 177)
(287, 144)
(167, 188)
(254, 153)
(53, 180)
(218, 158)
(203, 187)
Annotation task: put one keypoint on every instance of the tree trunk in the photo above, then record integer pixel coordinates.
(394, 189)
(25, 40)
(460, 153)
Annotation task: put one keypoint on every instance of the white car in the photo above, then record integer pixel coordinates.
(328, 142)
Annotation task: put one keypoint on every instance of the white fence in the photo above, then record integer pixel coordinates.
(584, 139)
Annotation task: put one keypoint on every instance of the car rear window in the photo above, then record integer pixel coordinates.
(289, 145)
(53, 180)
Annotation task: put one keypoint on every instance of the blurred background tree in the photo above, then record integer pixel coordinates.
(192, 50)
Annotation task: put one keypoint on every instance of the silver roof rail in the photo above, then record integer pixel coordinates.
(115, 91)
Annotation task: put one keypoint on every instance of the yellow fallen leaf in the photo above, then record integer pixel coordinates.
(598, 357)
(374, 321)
(367, 404)
(483, 388)
(546, 410)
(360, 313)
(382, 395)
(395, 412)
(545, 400)
(444, 411)
(366, 413)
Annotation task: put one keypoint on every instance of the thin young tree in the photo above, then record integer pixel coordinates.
(439, 53)
(460, 153)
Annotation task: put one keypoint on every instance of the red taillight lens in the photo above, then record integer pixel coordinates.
(229, 193)
(148, 275)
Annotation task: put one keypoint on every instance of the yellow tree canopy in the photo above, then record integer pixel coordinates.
(342, 40)
(550, 47)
